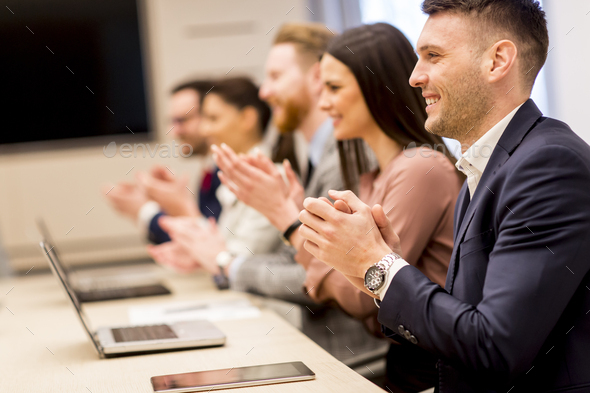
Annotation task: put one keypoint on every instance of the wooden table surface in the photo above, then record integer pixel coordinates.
(43, 347)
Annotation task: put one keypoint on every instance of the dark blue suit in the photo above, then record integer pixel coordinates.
(208, 205)
(515, 311)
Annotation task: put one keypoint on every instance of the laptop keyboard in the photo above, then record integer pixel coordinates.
(122, 293)
(143, 333)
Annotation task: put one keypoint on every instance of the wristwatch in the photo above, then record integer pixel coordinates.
(287, 234)
(223, 259)
(376, 275)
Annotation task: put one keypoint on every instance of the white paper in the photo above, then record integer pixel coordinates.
(221, 310)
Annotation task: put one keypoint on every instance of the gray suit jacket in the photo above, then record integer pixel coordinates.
(277, 275)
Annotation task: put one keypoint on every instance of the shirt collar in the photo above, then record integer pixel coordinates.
(318, 142)
(480, 152)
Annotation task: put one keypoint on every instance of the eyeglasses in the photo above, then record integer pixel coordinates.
(184, 119)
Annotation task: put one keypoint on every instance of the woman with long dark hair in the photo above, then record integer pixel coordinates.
(367, 94)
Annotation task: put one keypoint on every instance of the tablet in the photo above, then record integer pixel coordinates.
(232, 378)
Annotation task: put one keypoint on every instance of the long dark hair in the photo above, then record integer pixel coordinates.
(382, 60)
(241, 92)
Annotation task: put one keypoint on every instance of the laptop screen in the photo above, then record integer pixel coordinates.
(54, 262)
(48, 239)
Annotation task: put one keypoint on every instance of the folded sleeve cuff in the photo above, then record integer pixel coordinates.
(146, 213)
(397, 265)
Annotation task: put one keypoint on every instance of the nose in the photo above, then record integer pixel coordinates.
(419, 78)
(264, 92)
(177, 130)
(325, 104)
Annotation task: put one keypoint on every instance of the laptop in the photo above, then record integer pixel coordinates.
(132, 340)
(106, 283)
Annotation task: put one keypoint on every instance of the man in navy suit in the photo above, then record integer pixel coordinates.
(514, 315)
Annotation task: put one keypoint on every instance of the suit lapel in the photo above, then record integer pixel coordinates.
(521, 124)
(461, 208)
(462, 204)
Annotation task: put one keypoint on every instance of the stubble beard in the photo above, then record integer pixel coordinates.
(463, 109)
(201, 149)
(295, 109)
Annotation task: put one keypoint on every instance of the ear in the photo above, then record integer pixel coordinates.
(314, 77)
(501, 60)
(249, 118)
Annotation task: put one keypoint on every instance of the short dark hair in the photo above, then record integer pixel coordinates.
(522, 21)
(241, 92)
(199, 86)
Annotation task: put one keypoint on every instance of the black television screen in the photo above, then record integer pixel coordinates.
(71, 69)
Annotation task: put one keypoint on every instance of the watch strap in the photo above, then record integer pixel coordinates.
(221, 280)
(287, 234)
(383, 265)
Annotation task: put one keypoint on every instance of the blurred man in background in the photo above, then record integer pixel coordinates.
(160, 191)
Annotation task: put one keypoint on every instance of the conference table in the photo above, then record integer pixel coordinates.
(43, 347)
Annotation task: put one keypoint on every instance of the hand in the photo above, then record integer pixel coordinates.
(345, 240)
(170, 191)
(381, 220)
(257, 182)
(126, 198)
(173, 255)
(303, 257)
(356, 281)
(200, 242)
(295, 190)
(389, 236)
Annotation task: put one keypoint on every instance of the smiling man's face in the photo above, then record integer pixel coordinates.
(450, 74)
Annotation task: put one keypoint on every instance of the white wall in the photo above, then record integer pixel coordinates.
(568, 62)
(186, 38)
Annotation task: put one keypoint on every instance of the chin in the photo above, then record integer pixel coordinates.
(343, 135)
(430, 125)
(278, 113)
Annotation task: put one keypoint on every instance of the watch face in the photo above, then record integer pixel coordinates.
(224, 258)
(374, 278)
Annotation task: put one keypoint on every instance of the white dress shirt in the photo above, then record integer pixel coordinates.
(472, 163)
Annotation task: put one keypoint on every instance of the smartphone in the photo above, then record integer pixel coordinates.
(232, 378)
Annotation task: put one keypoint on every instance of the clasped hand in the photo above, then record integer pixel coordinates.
(349, 235)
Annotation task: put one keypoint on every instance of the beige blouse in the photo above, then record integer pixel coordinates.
(420, 186)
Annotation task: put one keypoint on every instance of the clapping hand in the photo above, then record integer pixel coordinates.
(126, 198)
(256, 181)
(192, 244)
(170, 191)
(349, 235)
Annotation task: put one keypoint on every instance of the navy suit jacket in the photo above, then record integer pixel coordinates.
(515, 311)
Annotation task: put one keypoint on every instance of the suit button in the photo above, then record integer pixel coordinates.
(407, 335)
(401, 330)
(413, 339)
